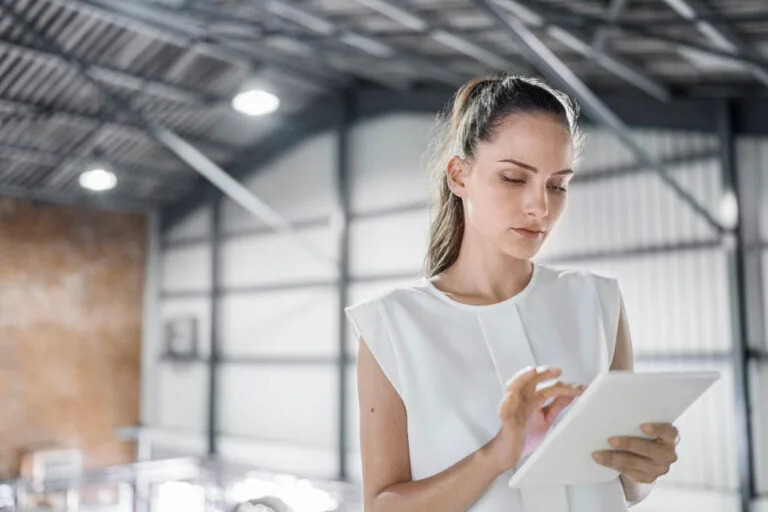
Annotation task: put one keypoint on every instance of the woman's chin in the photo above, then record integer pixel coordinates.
(523, 250)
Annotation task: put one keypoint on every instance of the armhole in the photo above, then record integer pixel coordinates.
(609, 297)
(368, 320)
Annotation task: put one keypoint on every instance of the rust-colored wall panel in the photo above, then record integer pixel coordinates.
(71, 284)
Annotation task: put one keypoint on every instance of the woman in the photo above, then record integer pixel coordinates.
(448, 367)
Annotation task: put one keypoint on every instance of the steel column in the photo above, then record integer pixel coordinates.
(346, 120)
(215, 330)
(738, 293)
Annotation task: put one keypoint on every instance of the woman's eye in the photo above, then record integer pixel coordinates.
(558, 188)
(513, 180)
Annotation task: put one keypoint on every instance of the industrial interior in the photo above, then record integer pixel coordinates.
(191, 191)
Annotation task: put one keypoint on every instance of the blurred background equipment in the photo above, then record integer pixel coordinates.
(191, 191)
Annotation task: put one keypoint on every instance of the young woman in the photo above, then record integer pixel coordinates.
(448, 367)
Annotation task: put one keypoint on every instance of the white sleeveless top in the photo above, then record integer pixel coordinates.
(449, 361)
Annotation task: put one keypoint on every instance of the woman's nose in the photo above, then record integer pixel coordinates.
(537, 202)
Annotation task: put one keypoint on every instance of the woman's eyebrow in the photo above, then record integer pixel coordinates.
(532, 168)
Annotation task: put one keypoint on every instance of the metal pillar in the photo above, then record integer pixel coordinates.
(738, 293)
(215, 355)
(345, 121)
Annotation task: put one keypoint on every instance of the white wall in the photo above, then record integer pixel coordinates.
(386, 162)
(281, 416)
(635, 210)
(281, 302)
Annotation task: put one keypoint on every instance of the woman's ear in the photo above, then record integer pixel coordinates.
(456, 173)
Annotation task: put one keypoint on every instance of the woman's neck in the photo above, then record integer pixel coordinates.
(482, 274)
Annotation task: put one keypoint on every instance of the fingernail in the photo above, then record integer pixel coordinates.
(613, 442)
(647, 429)
(598, 457)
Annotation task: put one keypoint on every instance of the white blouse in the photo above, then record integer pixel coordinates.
(449, 361)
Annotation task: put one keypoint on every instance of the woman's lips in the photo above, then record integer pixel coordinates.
(530, 235)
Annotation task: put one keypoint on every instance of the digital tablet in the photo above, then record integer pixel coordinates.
(615, 404)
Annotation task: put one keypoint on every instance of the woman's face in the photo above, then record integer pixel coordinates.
(514, 190)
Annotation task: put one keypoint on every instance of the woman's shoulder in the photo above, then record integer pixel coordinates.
(403, 292)
(558, 275)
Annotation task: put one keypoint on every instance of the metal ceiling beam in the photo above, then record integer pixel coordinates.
(561, 15)
(154, 20)
(54, 159)
(236, 191)
(552, 67)
(364, 43)
(89, 121)
(578, 21)
(116, 100)
(531, 15)
(155, 16)
(311, 121)
(25, 109)
(86, 146)
(718, 34)
(399, 12)
(600, 38)
(615, 9)
(340, 58)
(103, 73)
(746, 16)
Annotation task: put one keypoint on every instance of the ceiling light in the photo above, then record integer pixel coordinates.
(98, 180)
(255, 103)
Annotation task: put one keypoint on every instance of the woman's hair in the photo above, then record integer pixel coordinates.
(478, 108)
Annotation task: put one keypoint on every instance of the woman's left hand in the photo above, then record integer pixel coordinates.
(642, 460)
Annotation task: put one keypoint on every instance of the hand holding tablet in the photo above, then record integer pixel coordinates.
(616, 404)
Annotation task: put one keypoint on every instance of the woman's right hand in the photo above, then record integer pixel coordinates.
(525, 419)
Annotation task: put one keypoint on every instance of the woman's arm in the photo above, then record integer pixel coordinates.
(387, 483)
(623, 360)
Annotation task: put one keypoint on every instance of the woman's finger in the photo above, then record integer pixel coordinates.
(521, 390)
(641, 477)
(557, 406)
(625, 462)
(652, 449)
(526, 380)
(559, 389)
(665, 432)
